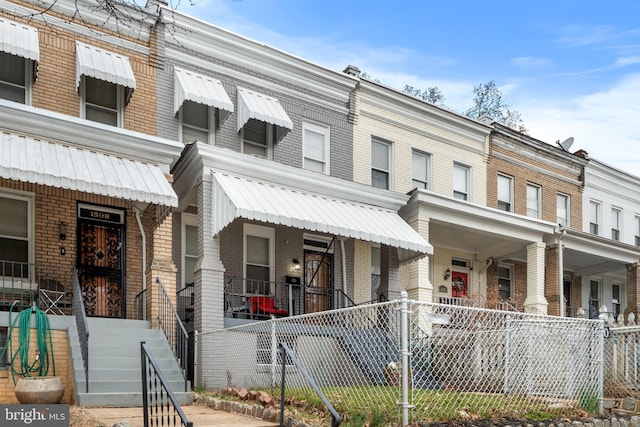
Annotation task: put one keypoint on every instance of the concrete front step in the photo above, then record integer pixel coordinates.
(124, 400)
(124, 386)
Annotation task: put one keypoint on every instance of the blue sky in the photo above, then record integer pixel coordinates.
(571, 68)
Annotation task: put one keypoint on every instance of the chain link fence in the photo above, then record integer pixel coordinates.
(622, 362)
(458, 359)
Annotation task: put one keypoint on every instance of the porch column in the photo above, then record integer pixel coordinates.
(416, 275)
(389, 273)
(535, 301)
(208, 291)
(633, 291)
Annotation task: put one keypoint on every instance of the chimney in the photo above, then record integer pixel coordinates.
(352, 70)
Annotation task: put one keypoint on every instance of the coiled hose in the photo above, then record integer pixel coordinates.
(40, 365)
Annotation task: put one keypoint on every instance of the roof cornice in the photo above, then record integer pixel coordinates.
(207, 158)
(65, 129)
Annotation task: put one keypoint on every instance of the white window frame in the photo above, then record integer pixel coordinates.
(508, 204)
(531, 212)
(28, 79)
(595, 209)
(29, 199)
(188, 220)
(425, 180)
(616, 303)
(567, 209)
(269, 136)
(325, 131)
(637, 236)
(616, 223)
(211, 122)
(593, 314)
(119, 102)
(467, 184)
(265, 233)
(510, 268)
(388, 144)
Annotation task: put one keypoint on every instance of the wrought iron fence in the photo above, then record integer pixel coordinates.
(83, 328)
(457, 357)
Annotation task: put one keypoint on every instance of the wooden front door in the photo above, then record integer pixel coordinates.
(318, 283)
(101, 261)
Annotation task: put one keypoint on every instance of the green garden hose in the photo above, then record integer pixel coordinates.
(40, 365)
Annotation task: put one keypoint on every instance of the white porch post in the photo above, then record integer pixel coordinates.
(535, 301)
(419, 286)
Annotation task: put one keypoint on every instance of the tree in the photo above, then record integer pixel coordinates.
(430, 94)
(488, 101)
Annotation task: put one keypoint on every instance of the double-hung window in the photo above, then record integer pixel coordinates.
(616, 215)
(316, 147)
(257, 140)
(460, 181)
(420, 169)
(102, 101)
(637, 219)
(533, 201)
(19, 54)
(505, 193)
(505, 282)
(594, 217)
(197, 120)
(380, 164)
(15, 235)
(562, 209)
(259, 258)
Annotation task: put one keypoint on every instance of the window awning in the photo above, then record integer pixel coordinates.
(104, 65)
(240, 197)
(254, 105)
(19, 39)
(190, 86)
(62, 166)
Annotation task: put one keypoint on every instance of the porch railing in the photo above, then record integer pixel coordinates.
(158, 401)
(169, 321)
(83, 328)
(463, 302)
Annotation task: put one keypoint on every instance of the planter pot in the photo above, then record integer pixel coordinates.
(39, 390)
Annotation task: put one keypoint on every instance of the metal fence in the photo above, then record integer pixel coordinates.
(622, 357)
(456, 359)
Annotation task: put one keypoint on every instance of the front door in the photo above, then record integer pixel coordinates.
(318, 283)
(459, 284)
(101, 260)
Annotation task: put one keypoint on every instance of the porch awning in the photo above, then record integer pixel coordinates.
(19, 39)
(104, 65)
(254, 105)
(240, 197)
(48, 163)
(190, 86)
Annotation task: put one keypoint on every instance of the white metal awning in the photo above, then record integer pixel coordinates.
(19, 39)
(48, 163)
(254, 105)
(190, 86)
(104, 65)
(240, 197)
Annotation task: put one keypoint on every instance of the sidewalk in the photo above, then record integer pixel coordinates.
(200, 415)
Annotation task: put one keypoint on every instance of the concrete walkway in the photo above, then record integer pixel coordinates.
(199, 415)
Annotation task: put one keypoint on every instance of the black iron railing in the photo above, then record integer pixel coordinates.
(83, 328)
(141, 304)
(174, 330)
(184, 303)
(160, 405)
(285, 352)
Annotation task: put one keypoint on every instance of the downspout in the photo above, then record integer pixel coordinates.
(344, 273)
(482, 271)
(561, 272)
(144, 259)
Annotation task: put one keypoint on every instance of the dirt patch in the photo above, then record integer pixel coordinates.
(79, 417)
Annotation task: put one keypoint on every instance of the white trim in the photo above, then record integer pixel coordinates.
(538, 200)
(389, 170)
(509, 178)
(19, 39)
(325, 131)
(186, 220)
(201, 89)
(29, 198)
(211, 123)
(268, 233)
(119, 103)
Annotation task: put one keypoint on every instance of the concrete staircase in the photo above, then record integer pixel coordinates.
(115, 374)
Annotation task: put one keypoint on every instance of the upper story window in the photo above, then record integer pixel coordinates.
(201, 103)
(105, 81)
(460, 181)
(505, 193)
(316, 146)
(380, 164)
(616, 215)
(533, 201)
(19, 56)
(562, 209)
(420, 169)
(637, 219)
(262, 122)
(15, 234)
(594, 217)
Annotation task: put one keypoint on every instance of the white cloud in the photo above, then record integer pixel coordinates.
(528, 62)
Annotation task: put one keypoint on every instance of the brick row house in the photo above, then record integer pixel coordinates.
(252, 183)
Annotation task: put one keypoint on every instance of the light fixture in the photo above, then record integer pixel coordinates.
(296, 264)
(63, 230)
(447, 274)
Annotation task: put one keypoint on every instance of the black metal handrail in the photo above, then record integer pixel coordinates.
(285, 350)
(184, 302)
(141, 304)
(174, 330)
(157, 396)
(83, 327)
